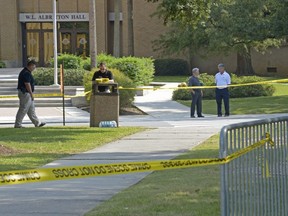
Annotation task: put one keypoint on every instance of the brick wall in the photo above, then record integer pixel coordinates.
(10, 30)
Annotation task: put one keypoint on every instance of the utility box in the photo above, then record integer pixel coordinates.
(104, 105)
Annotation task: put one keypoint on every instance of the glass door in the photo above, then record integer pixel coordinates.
(65, 42)
(48, 52)
(33, 46)
(82, 46)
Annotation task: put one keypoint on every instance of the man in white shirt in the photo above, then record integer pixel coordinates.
(222, 80)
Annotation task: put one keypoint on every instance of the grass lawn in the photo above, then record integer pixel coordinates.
(278, 103)
(251, 105)
(185, 192)
(281, 89)
(33, 147)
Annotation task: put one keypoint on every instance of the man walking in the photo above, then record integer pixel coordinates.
(25, 93)
(222, 80)
(196, 94)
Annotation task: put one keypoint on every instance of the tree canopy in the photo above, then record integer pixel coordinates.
(223, 26)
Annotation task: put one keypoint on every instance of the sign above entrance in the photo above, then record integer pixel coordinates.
(48, 17)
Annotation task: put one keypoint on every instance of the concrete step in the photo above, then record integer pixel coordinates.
(39, 102)
(69, 90)
(11, 84)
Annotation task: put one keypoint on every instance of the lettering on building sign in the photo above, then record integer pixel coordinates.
(48, 17)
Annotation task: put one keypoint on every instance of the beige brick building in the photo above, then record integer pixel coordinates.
(26, 31)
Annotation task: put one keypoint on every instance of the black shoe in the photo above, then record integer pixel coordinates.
(219, 115)
(226, 115)
(42, 124)
(192, 116)
(19, 127)
(201, 116)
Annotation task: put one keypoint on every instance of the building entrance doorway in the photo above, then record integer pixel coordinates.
(39, 43)
(73, 38)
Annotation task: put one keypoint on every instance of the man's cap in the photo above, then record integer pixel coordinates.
(221, 65)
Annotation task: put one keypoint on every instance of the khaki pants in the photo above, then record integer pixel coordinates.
(26, 107)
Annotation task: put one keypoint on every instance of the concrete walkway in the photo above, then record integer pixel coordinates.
(174, 134)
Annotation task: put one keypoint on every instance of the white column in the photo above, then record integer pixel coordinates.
(55, 42)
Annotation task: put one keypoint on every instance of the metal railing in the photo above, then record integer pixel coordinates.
(255, 183)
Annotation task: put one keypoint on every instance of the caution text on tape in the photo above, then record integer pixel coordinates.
(85, 171)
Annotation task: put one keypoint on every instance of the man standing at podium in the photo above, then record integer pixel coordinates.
(103, 73)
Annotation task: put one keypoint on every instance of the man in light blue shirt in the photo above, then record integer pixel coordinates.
(222, 80)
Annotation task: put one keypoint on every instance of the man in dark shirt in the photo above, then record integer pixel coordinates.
(25, 93)
(103, 73)
(196, 94)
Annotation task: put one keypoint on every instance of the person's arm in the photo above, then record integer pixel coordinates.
(94, 77)
(29, 90)
(190, 83)
(228, 79)
(111, 78)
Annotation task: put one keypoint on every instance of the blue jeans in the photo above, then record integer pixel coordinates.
(222, 94)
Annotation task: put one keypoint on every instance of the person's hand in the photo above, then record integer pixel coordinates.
(32, 97)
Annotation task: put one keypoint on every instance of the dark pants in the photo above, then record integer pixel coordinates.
(222, 94)
(196, 101)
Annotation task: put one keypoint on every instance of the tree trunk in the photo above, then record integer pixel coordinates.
(92, 33)
(244, 64)
(130, 28)
(190, 56)
(116, 45)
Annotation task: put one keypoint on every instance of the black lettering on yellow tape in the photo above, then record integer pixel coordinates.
(71, 172)
(19, 177)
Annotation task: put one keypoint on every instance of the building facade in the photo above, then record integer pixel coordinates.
(26, 31)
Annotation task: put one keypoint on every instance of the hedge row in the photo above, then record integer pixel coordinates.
(140, 70)
(171, 67)
(2, 64)
(45, 76)
(235, 92)
(78, 77)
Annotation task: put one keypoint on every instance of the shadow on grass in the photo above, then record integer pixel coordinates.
(58, 134)
(28, 160)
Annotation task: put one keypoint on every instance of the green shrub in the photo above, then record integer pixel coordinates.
(140, 70)
(72, 77)
(250, 91)
(2, 64)
(171, 67)
(70, 61)
(86, 64)
(108, 59)
(184, 94)
(235, 92)
(126, 96)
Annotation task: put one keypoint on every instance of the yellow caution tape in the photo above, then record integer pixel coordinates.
(8, 96)
(48, 95)
(94, 170)
(156, 88)
(208, 87)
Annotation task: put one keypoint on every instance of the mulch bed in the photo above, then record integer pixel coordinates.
(6, 150)
(124, 111)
